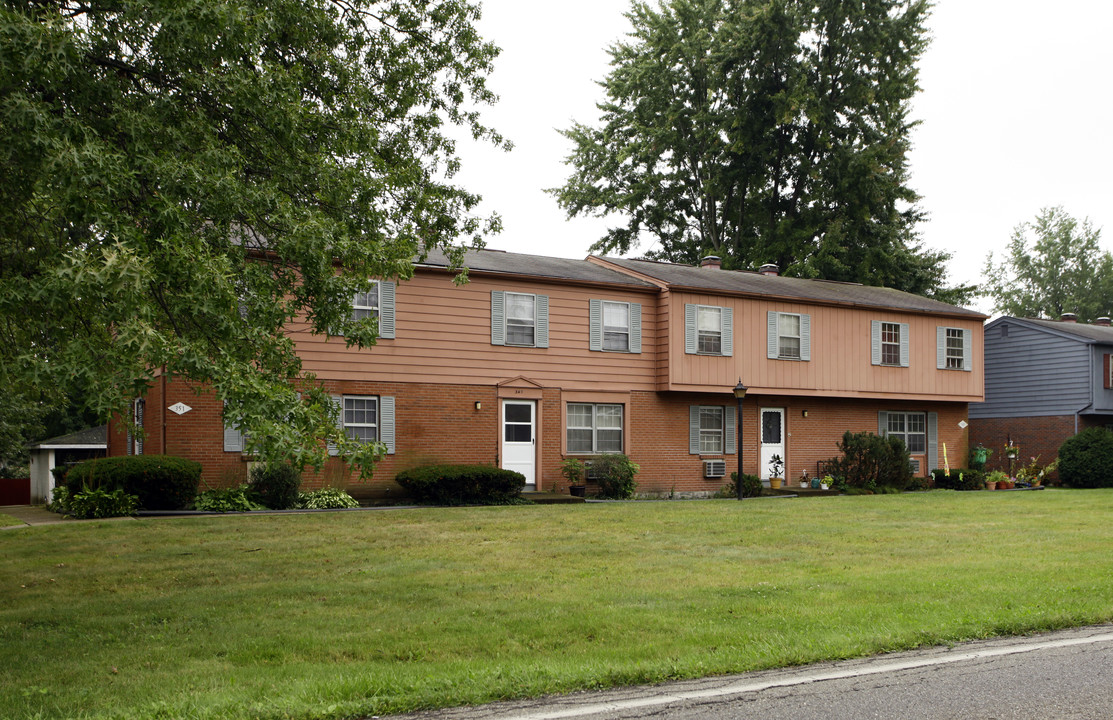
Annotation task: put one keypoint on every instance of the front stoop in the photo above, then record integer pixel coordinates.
(551, 498)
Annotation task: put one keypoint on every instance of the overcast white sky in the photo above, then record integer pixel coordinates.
(1016, 112)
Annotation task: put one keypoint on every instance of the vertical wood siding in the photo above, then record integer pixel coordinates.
(840, 354)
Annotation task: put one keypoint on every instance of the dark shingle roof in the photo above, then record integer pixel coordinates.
(497, 261)
(1090, 333)
(823, 291)
(89, 436)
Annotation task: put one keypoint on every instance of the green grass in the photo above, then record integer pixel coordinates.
(349, 614)
(9, 521)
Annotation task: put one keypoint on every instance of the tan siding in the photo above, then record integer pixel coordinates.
(840, 354)
(443, 334)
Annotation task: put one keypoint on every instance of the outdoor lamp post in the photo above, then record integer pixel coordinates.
(739, 394)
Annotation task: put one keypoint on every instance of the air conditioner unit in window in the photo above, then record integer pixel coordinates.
(590, 473)
(714, 468)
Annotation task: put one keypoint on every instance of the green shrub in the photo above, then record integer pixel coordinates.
(101, 503)
(870, 462)
(751, 486)
(326, 499)
(59, 500)
(1086, 460)
(274, 485)
(959, 479)
(234, 499)
(462, 484)
(615, 474)
(161, 482)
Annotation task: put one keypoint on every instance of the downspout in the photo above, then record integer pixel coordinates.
(1091, 384)
(162, 411)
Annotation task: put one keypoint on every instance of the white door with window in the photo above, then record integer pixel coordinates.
(772, 439)
(519, 439)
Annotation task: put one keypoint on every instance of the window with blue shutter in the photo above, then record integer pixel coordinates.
(708, 330)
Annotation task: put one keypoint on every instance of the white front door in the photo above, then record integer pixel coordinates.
(772, 438)
(519, 438)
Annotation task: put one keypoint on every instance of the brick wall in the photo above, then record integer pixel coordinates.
(440, 423)
(1037, 436)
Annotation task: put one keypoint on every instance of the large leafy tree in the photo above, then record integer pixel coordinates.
(179, 179)
(762, 131)
(1052, 266)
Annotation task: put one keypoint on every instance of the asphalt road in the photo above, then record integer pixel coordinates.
(1067, 674)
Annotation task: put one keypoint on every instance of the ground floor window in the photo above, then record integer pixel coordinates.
(911, 428)
(711, 427)
(361, 418)
(594, 428)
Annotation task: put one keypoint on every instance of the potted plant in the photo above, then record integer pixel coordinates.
(804, 481)
(994, 479)
(776, 464)
(573, 470)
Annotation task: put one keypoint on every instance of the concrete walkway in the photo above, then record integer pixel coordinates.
(32, 515)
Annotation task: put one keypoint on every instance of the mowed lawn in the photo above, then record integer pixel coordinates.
(366, 613)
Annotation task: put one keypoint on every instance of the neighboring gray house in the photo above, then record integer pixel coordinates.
(1045, 380)
(62, 450)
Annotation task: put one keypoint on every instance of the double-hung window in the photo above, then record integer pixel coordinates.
(953, 350)
(519, 319)
(789, 336)
(708, 330)
(615, 326)
(594, 428)
(376, 302)
(361, 418)
(712, 429)
(889, 343)
(911, 428)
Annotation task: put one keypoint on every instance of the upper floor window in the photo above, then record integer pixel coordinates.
(519, 319)
(789, 336)
(594, 428)
(708, 330)
(889, 342)
(615, 326)
(952, 350)
(376, 302)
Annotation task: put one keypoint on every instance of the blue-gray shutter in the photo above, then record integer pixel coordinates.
(932, 441)
(338, 401)
(690, 345)
(386, 423)
(233, 438)
(730, 430)
(541, 321)
(940, 347)
(904, 344)
(386, 309)
(772, 336)
(805, 337)
(728, 332)
(882, 423)
(595, 324)
(967, 350)
(498, 317)
(635, 327)
(875, 342)
(693, 429)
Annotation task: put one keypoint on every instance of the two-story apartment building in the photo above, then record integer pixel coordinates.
(536, 359)
(1045, 381)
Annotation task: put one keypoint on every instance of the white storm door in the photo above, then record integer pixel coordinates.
(772, 438)
(519, 438)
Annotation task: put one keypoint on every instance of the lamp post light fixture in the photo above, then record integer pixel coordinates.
(739, 395)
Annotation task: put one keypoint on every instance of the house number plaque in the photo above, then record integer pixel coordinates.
(180, 408)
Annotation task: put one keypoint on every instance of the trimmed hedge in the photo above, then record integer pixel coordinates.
(274, 485)
(462, 484)
(161, 482)
(615, 474)
(870, 462)
(1086, 460)
(751, 485)
(959, 479)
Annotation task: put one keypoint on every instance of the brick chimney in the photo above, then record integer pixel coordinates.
(711, 261)
(1103, 321)
(769, 269)
(1068, 317)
